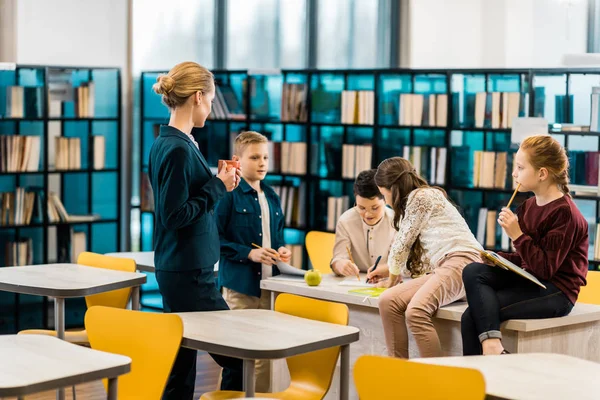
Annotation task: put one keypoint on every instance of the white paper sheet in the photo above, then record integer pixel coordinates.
(352, 281)
(287, 269)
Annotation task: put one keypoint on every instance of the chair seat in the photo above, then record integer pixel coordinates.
(75, 337)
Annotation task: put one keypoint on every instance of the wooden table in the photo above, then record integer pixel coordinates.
(63, 281)
(36, 363)
(265, 335)
(531, 376)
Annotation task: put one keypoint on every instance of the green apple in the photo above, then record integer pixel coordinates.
(313, 277)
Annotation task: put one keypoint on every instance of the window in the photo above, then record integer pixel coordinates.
(266, 34)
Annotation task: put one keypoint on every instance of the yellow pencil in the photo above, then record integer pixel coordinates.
(513, 196)
(258, 247)
(352, 260)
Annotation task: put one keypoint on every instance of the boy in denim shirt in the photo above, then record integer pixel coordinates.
(250, 214)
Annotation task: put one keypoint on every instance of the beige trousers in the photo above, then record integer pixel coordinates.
(411, 305)
(239, 301)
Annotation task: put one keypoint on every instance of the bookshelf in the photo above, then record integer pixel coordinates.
(454, 113)
(60, 175)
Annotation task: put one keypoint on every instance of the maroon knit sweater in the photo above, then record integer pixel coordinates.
(554, 244)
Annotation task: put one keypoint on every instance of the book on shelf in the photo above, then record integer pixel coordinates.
(293, 204)
(429, 162)
(293, 102)
(358, 107)
(18, 207)
(85, 100)
(495, 110)
(297, 260)
(336, 206)
(490, 169)
(69, 244)
(146, 194)
(99, 151)
(226, 104)
(68, 153)
(430, 110)
(18, 253)
(488, 230)
(292, 157)
(19, 153)
(355, 159)
(58, 213)
(23, 102)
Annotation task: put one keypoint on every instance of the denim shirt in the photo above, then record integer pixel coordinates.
(240, 224)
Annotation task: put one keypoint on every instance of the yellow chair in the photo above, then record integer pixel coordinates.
(311, 374)
(377, 377)
(319, 246)
(590, 293)
(151, 340)
(116, 298)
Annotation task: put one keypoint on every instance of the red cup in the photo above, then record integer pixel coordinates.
(230, 164)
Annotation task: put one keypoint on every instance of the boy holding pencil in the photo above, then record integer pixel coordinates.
(250, 222)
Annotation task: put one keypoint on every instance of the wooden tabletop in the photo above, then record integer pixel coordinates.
(531, 376)
(260, 334)
(36, 363)
(65, 280)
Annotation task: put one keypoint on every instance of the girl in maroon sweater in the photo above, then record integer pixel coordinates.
(551, 240)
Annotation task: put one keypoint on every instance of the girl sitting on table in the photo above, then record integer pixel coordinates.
(551, 240)
(366, 229)
(433, 244)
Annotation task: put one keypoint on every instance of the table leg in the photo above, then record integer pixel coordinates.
(345, 372)
(135, 298)
(249, 378)
(59, 325)
(112, 389)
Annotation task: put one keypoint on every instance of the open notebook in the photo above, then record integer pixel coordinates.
(352, 281)
(504, 263)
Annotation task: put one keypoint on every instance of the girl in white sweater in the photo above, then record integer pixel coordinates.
(433, 245)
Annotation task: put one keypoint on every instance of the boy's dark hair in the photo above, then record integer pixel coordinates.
(364, 185)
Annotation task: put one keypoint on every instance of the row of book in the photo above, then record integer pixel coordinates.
(293, 204)
(18, 253)
(583, 168)
(490, 169)
(336, 206)
(68, 152)
(488, 230)
(18, 207)
(23, 102)
(70, 244)
(226, 104)
(287, 157)
(19, 153)
(355, 159)
(85, 100)
(293, 102)
(496, 109)
(423, 109)
(358, 107)
(430, 162)
(23, 206)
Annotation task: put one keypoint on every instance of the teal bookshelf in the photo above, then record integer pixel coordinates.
(52, 106)
(457, 119)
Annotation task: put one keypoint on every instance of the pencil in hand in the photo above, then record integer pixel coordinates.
(352, 260)
(513, 196)
(277, 258)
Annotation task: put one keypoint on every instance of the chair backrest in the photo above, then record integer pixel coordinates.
(590, 293)
(378, 377)
(151, 340)
(319, 246)
(313, 371)
(116, 298)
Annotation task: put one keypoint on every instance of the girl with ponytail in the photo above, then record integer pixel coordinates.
(550, 237)
(432, 245)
